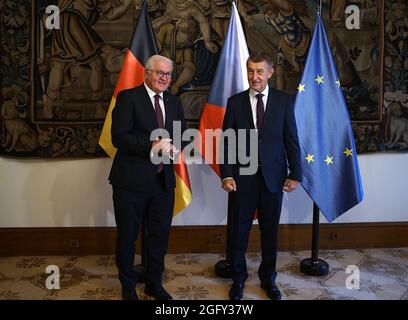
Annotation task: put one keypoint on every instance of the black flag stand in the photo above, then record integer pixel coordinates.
(314, 266)
(223, 267)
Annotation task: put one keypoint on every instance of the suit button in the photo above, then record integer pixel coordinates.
(260, 141)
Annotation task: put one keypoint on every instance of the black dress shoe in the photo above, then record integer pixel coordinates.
(271, 290)
(129, 294)
(158, 293)
(236, 291)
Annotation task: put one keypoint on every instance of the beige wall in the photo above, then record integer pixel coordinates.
(65, 193)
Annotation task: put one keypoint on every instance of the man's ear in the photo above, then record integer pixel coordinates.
(271, 72)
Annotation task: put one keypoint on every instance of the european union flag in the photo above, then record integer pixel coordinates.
(331, 175)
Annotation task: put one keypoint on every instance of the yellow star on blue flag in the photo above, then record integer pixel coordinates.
(319, 79)
(309, 158)
(348, 152)
(329, 160)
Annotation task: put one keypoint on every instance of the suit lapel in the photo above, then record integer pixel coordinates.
(272, 99)
(168, 118)
(148, 107)
(248, 110)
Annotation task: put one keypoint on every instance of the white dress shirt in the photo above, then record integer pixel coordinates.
(151, 94)
(254, 100)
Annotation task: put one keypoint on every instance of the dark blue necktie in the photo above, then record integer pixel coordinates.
(260, 111)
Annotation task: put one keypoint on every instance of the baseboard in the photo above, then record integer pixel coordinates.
(199, 239)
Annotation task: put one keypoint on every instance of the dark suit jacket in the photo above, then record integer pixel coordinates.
(278, 143)
(133, 119)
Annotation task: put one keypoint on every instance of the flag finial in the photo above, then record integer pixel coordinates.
(319, 7)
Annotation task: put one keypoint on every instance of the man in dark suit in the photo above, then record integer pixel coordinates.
(142, 189)
(270, 112)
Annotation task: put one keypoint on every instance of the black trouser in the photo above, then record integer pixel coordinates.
(269, 204)
(131, 207)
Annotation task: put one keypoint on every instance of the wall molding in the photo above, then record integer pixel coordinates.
(199, 239)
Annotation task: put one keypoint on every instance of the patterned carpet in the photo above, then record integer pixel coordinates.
(383, 275)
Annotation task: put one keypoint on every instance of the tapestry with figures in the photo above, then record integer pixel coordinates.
(56, 84)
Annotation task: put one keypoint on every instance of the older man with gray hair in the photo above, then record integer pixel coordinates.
(143, 189)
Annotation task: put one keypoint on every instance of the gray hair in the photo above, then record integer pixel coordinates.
(157, 58)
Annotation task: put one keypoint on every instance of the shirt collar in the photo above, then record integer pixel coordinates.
(151, 93)
(253, 93)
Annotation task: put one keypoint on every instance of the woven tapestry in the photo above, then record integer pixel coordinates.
(56, 83)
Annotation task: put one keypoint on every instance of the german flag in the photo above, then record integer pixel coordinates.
(142, 47)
